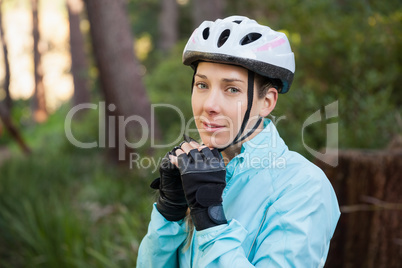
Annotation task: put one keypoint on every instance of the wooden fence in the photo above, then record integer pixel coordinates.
(368, 185)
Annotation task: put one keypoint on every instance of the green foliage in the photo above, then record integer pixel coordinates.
(170, 83)
(144, 16)
(67, 207)
(347, 52)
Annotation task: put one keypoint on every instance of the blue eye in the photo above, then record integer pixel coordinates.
(233, 90)
(201, 85)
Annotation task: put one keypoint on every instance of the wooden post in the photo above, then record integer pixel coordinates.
(369, 190)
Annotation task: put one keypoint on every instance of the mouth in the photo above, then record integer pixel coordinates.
(212, 127)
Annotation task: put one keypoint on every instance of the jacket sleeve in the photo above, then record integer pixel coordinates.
(295, 232)
(299, 226)
(159, 247)
(220, 246)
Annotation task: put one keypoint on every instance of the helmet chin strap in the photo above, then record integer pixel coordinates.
(250, 97)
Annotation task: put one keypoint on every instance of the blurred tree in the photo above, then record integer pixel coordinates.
(79, 64)
(168, 24)
(207, 10)
(144, 17)
(7, 97)
(249, 8)
(178, 93)
(39, 98)
(120, 76)
(12, 129)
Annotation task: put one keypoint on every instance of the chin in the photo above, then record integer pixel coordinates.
(214, 142)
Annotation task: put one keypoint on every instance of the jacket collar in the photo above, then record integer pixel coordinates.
(260, 151)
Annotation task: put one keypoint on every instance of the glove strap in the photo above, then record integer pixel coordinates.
(208, 217)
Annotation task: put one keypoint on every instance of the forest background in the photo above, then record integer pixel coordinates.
(66, 206)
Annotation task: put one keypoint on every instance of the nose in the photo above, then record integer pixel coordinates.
(212, 102)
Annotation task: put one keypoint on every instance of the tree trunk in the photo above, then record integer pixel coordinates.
(168, 28)
(39, 98)
(369, 190)
(8, 124)
(207, 10)
(120, 77)
(7, 98)
(79, 64)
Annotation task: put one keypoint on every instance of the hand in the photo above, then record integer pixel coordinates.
(203, 176)
(171, 203)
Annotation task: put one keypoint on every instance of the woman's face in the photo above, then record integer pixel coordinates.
(219, 102)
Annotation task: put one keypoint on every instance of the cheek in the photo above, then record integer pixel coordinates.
(258, 106)
(194, 105)
(197, 104)
(238, 109)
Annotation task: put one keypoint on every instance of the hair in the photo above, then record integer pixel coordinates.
(189, 229)
(265, 83)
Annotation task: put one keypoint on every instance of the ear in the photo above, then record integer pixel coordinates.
(269, 102)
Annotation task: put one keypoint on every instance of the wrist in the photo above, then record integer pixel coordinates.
(204, 218)
(171, 211)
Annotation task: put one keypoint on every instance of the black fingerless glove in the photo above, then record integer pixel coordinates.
(203, 175)
(171, 203)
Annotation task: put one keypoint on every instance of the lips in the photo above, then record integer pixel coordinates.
(211, 127)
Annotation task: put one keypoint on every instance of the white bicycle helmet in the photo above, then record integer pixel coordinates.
(241, 41)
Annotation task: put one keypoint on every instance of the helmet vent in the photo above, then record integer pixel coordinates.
(224, 36)
(205, 33)
(237, 21)
(251, 37)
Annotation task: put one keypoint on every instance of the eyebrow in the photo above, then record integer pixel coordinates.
(201, 76)
(227, 80)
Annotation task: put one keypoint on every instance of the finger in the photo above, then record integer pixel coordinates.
(166, 163)
(195, 154)
(183, 162)
(186, 147)
(202, 147)
(195, 144)
(216, 153)
(179, 152)
(173, 152)
(173, 160)
(156, 183)
(207, 153)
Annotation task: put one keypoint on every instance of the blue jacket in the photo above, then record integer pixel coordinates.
(281, 209)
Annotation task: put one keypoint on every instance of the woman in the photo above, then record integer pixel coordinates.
(241, 199)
